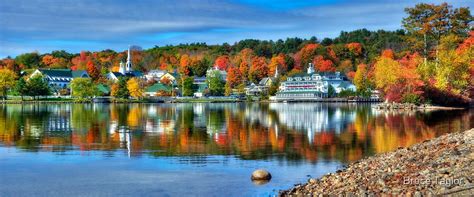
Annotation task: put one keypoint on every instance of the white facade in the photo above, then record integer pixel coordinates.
(312, 85)
(155, 75)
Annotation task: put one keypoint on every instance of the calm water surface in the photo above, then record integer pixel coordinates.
(195, 149)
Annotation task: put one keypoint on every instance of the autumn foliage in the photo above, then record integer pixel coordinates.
(323, 65)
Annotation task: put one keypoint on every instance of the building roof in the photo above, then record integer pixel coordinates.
(158, 87)
(63, 73)
(56, 72)
(345, 84)
(104, 89)
(129, 74)
(265, 80)
(78, 73)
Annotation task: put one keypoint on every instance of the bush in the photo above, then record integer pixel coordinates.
(412, 98)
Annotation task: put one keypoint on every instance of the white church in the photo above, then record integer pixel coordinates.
(125, 70)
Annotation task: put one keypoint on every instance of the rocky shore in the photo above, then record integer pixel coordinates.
(441, 166)
(411, 106)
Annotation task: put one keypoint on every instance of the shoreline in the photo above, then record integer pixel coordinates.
(440, 166)
(207, 100)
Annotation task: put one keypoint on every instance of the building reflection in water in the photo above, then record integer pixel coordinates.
(292, 132)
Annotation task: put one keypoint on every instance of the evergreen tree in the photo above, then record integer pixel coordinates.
(21, 87)
(37, 87)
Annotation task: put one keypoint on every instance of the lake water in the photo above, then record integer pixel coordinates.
(195, 149)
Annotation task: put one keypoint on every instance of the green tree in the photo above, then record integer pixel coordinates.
(273, 89)
(28, 60)
(37, 86)
(21, 87)
(216, 86)
(199, 67)
(187, 86)
(331, 91)
(228, 89)
(7, 81)
(122, 90)
(83, 88)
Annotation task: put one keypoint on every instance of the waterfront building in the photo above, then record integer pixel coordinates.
(59, 78)
(201, 84)
(158, 75)
(262, 87)
(158, 88)
(312, 85)
(212, 72)
(155, 75)
(256, 90)
(125, 70)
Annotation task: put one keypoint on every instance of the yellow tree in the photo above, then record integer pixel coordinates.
(134, 87)
(7, 81)
(361, 81)
(386, 72)
(453, 71)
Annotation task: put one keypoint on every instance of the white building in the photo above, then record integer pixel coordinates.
(214, 71)
(59, 78)
(312, 85)
(158, 75)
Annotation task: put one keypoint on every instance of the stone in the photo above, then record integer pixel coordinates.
(434, 159)
(261, 174)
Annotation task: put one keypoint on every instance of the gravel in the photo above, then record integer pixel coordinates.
(441, 166)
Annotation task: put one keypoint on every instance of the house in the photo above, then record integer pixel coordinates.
(215, 70)
(155, 75)
(256, 90)
(157, 88)
(158, 75)
(170, 76)
(262, 87)
(59, 78)
(125, 70)
(201, 84)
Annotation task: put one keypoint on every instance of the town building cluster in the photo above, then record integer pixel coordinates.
(308, 86)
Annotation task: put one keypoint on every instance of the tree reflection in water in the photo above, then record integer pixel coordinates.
(293, 132)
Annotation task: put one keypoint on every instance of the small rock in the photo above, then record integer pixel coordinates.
(261, 174)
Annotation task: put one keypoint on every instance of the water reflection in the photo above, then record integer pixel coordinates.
(296, 132)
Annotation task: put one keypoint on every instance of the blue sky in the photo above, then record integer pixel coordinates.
(75, 25)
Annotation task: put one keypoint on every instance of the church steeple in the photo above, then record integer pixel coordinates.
(128, 65)
(276, 72)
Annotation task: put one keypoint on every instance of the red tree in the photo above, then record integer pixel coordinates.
(355, 48)
(258, 70)
(222, 62)
(93, 72)
(323, 65)
(234, 77)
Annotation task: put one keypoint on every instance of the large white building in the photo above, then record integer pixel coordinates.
(312, 85)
